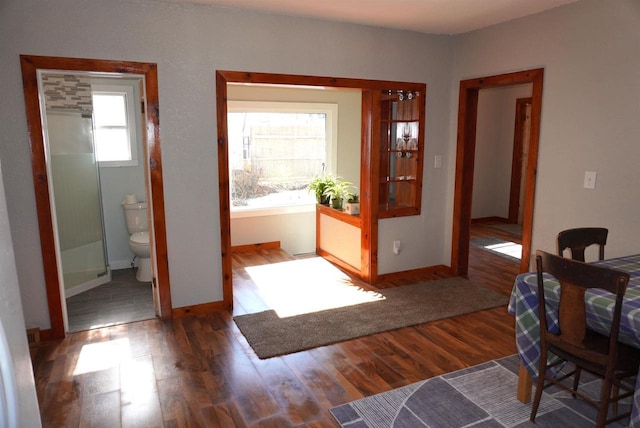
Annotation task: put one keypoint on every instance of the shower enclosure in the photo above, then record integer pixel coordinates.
(74, 181)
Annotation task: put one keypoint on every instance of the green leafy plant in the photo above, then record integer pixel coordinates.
(319, 185)
(339, 192)
(353, 205)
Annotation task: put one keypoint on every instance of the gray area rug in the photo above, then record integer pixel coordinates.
(499, 247)
(270, 335)
(479, 396)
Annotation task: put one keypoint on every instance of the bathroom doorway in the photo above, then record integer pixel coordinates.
(93, 134)
(71, 248)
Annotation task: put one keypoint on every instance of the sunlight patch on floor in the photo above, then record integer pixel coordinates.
(102, 356)
(509, 248)
(305, 286)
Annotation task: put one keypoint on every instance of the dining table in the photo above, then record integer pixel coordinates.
(523, 304)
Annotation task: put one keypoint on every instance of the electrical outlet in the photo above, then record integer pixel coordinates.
(437, 161)
(589, 179)
(396, 247)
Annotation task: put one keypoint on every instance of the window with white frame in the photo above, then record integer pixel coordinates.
(114, 125)
(275, 149)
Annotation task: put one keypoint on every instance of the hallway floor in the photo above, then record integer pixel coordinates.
(124, 299)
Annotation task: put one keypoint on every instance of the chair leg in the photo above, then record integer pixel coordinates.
(603, 407)
(576, 380)
(539, 386)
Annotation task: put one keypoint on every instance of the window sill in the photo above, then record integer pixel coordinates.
(271, 211)
(114, 164)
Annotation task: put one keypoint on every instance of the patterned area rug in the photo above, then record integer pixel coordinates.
(479, 396)
(505, 249)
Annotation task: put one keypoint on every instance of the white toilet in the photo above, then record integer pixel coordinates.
(136, 218)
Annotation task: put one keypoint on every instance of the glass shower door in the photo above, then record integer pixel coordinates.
(75, 179)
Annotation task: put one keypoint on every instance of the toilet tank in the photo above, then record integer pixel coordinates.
(136, 217)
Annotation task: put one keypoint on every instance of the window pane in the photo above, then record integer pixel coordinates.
(110, 110)
(112, 144)
(273, 156)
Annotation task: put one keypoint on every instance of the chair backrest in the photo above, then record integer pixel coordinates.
(574, 278)
(577, 240)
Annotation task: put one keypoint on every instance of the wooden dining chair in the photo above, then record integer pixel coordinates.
(578, 239)
(603, 356)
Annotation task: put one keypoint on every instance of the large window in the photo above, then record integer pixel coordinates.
(114, 125)
(275, 149)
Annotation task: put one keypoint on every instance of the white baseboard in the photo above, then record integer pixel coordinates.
(87, 285)
(121, 264)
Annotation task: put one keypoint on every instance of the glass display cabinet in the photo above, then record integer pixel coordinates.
(401, 152)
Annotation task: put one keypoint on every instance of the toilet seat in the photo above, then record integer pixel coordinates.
(139, 245)
(140, 238)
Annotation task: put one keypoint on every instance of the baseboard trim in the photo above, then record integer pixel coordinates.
(438, 269)
(488, 219)
(70, 292)
(121, 264)
(253, 247)
(204, 308)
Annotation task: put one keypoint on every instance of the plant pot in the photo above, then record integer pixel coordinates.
(323, 200)
(352, 208)
(336, 203)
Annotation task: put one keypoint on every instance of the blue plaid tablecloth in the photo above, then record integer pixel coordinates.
(599, 306)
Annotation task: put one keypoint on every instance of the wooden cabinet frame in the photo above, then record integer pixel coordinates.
(385, 152)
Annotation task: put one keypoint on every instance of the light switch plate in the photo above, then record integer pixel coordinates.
(437, 161)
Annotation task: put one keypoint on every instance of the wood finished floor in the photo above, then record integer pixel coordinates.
(200, 371)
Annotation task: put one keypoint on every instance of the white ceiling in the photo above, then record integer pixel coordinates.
(426, 16)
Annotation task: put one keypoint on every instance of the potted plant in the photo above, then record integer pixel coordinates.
(352, 206)
(318, 186)
(338, 192)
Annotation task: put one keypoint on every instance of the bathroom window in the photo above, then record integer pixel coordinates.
(114, 125)
(275, 149)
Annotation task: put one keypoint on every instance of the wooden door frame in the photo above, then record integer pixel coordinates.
(30, 65)
(369, 168)
(516, 163)
(465, 158)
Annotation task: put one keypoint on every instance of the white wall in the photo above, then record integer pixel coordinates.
(12, 324)
(588, 50)
(190, 42)
(589, 112)
(494, 150)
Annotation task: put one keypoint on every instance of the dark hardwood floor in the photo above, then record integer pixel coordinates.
(200, 371)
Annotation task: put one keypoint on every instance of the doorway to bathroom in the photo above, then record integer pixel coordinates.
(88, 160)
(93, 135)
